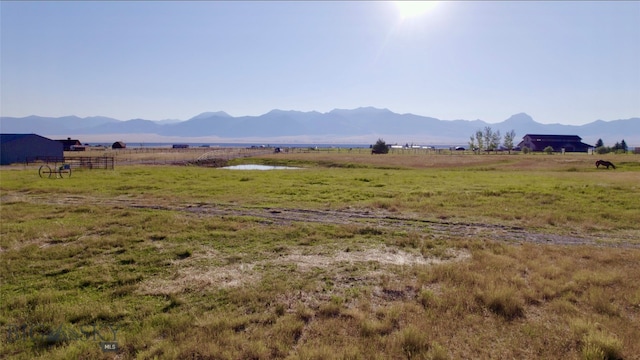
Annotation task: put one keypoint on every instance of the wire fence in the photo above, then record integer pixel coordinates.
(76, 162)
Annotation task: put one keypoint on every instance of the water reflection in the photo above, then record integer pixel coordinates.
(259, 167)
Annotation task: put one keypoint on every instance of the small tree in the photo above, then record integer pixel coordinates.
(491, 138)
(623, 146)
(548, 150)
(480, 141)
(380, 147)
(616, 147)
(508, 140)
(472, 143)
(599, 143)
(495, 140)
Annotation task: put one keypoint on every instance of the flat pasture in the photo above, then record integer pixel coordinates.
(351, 256)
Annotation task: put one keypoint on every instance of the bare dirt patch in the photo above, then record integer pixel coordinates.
(383, 255)
(195, 275)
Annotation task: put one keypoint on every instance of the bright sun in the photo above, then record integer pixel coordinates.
(413, 8)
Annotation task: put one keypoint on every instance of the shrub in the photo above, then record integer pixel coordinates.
(548, 150)
(380, 147)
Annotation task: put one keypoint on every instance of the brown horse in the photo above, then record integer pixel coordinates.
(604, 163)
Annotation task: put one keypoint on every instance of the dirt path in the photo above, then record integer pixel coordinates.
(374, 219)
(438, 229)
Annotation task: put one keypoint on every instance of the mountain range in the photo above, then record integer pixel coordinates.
(340, 126)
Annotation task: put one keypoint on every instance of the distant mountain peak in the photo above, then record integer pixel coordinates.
(366, 109)
(372, 108)
(209, 114)
(520, 118)
(280, 111)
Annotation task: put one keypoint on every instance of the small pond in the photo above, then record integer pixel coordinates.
(259, 167)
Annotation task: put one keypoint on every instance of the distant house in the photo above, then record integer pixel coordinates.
(18, 148)
(70, 144)
(180, 146)
(119, 145)
(570, 143)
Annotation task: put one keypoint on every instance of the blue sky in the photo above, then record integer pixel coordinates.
(558, 61)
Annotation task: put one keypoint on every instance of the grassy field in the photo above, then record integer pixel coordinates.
(353, 256)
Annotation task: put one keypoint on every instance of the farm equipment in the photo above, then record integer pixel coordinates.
(62, 171)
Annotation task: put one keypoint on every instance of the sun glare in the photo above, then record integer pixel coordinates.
(410, 8)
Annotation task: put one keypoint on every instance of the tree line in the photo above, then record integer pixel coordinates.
(481, 140)
(619, 147)
(489, 140)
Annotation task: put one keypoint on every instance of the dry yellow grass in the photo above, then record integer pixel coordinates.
(189, 275)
